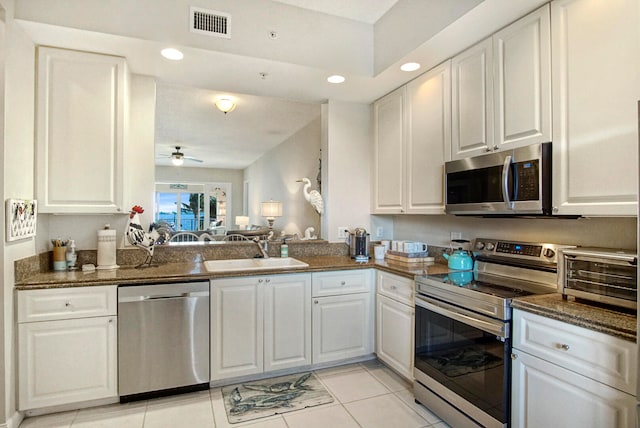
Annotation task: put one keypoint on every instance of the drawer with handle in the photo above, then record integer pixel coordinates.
(340, 282)
(604, 358)
(66, 303)
(395, 287)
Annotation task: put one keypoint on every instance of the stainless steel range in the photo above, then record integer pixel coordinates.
(463, 330)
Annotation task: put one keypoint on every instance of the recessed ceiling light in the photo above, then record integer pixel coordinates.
(172, 54)
(335, 79)
(410, 66)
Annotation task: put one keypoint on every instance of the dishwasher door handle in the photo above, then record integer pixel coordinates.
(163, 296)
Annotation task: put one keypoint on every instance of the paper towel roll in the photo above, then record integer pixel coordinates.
(107, 249)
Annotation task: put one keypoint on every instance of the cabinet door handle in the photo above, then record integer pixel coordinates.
(267, 280)
(67, 304)
(260, 281)
(343, 283)
(564, 347)
(315, 301)
(393, 287)
(514, 356)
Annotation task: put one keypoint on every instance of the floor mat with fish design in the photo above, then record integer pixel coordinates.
(261, 398)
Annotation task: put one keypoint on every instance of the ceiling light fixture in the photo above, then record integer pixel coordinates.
(177, 160)
(410, 66)
(225, 105)
(172, 54)
(177, 157)
(336, 78)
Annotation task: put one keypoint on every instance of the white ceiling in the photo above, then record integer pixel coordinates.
(187, 117)
(368, 11)
(310, 46)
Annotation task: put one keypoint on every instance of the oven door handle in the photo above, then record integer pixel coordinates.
(495, 327)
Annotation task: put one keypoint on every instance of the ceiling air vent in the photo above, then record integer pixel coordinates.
(210, 22)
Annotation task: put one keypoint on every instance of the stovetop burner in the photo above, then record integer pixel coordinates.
(493, 285)
(503, 270)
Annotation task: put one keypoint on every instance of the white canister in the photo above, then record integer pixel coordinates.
(378, 252)
(107, 249)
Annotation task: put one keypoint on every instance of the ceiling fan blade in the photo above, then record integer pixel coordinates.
(189, 158)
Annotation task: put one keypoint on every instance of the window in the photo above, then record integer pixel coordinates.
(192, 207)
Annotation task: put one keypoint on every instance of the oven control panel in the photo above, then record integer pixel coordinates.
(521, 250)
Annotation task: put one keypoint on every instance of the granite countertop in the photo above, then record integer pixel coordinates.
(189, 271)
(596, 318)
(593, 317)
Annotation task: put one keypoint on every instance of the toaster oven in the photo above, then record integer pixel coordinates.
(599, 274)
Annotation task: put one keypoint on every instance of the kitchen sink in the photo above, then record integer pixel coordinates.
(253, 264)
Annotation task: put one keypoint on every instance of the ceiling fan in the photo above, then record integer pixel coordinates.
(178, 158)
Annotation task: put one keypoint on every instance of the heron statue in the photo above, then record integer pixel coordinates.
(312, 196)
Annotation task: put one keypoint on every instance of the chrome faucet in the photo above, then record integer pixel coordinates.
(263, 245)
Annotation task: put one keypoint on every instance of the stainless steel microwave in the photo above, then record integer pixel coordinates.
(509, 182)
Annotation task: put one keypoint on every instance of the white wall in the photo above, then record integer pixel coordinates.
(596, 232)
(274, 176)
(177, 175)
(18, 181)
(348, 163)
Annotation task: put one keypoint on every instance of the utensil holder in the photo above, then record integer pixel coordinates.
(59, 258)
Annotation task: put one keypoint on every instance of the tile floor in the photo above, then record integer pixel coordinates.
(366, 395)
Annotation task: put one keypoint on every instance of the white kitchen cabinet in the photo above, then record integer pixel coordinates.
(558, 367)
(259, 323)
(67, 346)
(388, 154)
(287, 321)
(428, 139)
(395, 322)
(472, 101)
(502, 89)
(342, 322)
(522, 81)
(236, 327)
(596, 87)
(547, 395)
(413, 133)
(394, 335)
(80, 121)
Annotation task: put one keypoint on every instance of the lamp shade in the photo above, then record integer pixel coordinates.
(242, 221)
(271, 209)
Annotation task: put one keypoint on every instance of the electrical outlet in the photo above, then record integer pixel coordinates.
(342, 231)
(456, 235)
(379, 232)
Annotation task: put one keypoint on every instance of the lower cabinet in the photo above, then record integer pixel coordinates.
(395, 323)
(260, 323)
(342, 316)
(568, 376)
(70, 353)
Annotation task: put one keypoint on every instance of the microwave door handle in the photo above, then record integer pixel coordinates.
(505, 181)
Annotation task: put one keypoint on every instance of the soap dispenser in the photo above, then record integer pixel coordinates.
(72, 256)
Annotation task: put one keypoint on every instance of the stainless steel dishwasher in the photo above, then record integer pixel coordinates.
(163, 339)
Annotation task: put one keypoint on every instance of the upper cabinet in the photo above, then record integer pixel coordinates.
(502, 89)
(596, 88)
(80, 129)
(472, 103)
(428, 130)
(413, 132)
(522, 81)
(388, 154)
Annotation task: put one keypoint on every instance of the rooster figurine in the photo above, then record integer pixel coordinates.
(138, 237)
